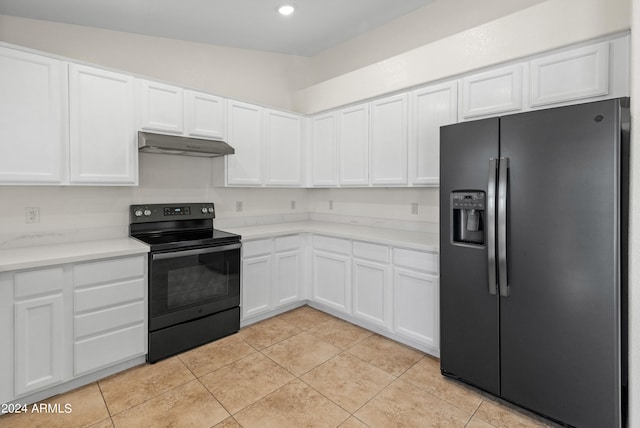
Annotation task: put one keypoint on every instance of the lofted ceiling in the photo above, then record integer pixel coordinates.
(315, 26)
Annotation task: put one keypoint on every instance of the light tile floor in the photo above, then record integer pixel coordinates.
(303, 368)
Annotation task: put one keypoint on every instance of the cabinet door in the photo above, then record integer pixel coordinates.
(103, 138)
(161, 107)
(39, 326)
(431, 108)
(256, 285)
(204, 115)
(571, 75)
(246, 137)
(331, 280)
(283, 149)
(33, 118)
(416, 306)
(287, 276)
(353, 145)
(371, 292)
(492, 92)
(389, 140)
(324, 155)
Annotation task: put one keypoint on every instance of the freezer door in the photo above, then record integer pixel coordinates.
(560, 335)
(469, 348)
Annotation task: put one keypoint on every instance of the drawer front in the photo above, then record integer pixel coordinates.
(88, 299)
(41, 281)
(108, 349)
(108, 271)
(334, 245)
(375, 252)
(416, 260)
(256, 248)
(287, 243)
(108, 319)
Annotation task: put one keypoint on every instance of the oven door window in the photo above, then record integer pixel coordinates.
(191, 283)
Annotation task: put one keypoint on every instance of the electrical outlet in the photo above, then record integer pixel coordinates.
(293, 205)
(32, 214)
(238, 206)
(330, 205)
(414, 208)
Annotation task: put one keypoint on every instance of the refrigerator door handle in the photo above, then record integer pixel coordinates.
(503, 178)
(491, 226)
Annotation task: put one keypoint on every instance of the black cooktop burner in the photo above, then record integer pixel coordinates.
(177, 226)
(195, 239)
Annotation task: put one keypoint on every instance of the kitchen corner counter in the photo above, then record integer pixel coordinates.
(394, 237)
(47, 255)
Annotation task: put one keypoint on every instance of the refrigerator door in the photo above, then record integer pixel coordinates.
(469, 348)
(559, 333)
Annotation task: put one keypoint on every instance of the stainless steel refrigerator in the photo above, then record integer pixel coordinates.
(533, 241)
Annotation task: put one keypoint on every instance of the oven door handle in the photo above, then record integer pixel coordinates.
(196, 252)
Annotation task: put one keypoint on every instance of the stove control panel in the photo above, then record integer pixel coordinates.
(162, 212)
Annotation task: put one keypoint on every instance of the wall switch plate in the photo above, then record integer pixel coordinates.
(330, 205)
(32, 214)
(238, 206)
(414, 208)
(293, 205)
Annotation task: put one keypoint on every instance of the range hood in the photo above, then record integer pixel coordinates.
(149, 142)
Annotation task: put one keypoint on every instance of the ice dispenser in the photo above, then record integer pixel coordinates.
(468, 212)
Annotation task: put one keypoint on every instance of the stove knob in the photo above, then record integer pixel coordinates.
(147, 212)
(210, 210)
(204, 210)
(137, 213)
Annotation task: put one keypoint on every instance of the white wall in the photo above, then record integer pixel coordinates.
(545, 26)
(259, 77)
(634, 232)
(432, 22)
(75, 213)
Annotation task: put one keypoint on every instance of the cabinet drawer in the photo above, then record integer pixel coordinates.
(108, 271)
(286, 243)
(334, 245)
(108, 319)
(416, 260)
(41, 281)
(108, 295)
(110, 348)
(375, 252)
(256, 248)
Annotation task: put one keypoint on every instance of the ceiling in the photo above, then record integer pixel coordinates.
(315, 26)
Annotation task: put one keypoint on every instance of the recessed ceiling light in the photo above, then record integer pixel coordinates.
(286, 9)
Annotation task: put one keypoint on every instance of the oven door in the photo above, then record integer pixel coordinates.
(188, 284)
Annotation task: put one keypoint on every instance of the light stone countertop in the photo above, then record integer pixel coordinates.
(48, 255)
(394, 237)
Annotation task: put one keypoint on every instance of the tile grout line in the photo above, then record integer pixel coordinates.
(105, 403)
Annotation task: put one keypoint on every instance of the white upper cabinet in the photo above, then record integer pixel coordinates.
(204, 115)
(491, 92)
(246, 137)
(431, 108)
(324, 156)
(353, 145)
(389, 140)
(283, 148)
(103, 148)
(161, 107)
(570, 75)
(33, 118)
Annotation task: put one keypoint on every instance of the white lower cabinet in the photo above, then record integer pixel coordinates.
(331, 272)
(256, 277)
(271, 274)
(62, 322)
(372, 286)
(39, 329)
(109, 313)
(416, 296)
